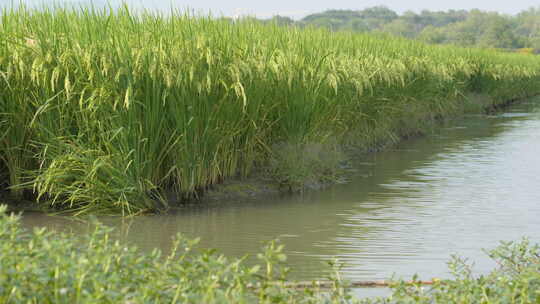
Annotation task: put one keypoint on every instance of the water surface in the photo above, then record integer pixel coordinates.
(463, 187)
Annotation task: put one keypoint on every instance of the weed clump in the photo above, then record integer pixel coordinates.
(306, 166)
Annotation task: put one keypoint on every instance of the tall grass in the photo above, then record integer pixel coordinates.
(104, 111)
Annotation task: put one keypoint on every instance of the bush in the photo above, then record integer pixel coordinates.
(516, 280)
(45, 267)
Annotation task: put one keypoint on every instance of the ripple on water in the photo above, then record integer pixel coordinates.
(459, 190)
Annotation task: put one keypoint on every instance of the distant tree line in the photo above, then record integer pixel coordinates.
(459, 27)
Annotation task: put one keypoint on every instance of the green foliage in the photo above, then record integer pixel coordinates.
(400, 27)
(42, 266)
(110, 111)
(499, 34)
(464, 28)
(45, 267)
(309, 165)
(371, 18)
(517, 280)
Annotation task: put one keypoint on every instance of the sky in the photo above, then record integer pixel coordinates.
(299, 8)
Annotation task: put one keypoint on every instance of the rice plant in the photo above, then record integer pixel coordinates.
(111, 111)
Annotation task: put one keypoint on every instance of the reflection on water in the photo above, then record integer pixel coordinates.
(458, 190)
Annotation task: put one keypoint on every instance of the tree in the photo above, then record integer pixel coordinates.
(498, 34)
(460, 27)
(528, 27)
(376, 17)
(433, 35)
(400, 27)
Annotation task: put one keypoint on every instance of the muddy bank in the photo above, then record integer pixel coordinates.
(261, 186)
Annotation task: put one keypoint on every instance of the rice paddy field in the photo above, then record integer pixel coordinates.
(107, 111)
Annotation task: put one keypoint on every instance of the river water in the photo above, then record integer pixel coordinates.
(463, 187)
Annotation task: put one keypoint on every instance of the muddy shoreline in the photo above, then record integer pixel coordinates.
(259, 186)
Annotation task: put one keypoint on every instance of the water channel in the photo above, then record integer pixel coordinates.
(463, 187)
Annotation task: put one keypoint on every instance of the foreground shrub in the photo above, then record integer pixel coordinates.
(516, 280)
(45, 267)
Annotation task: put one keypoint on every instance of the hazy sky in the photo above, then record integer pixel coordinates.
(300, 8)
